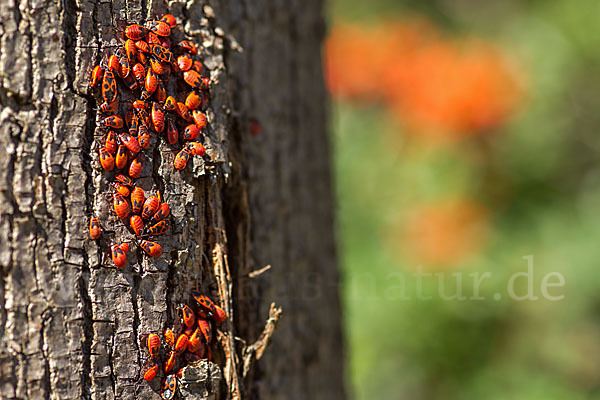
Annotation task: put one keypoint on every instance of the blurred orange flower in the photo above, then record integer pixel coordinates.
(446, 232)
(433, 85)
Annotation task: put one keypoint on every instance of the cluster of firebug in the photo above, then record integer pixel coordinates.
(189, 340)
(148, 65)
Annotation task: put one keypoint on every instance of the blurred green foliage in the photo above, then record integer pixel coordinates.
(538, 176)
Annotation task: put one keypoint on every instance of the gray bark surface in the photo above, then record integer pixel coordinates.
(70, 321)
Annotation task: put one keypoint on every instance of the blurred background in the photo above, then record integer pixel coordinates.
(467, 138)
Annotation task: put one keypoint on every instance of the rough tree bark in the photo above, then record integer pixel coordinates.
(69, 322)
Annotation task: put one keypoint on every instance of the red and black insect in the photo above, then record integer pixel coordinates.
(206, 306)
(187, 315)
(139, 72)
(137, 199)
(195, 342)
(109, 107)
(151, 38)
(136, 32)
(158, 117)
(95, 230)
(136, 223)
(188, 46)
(142, 46)
(193, 79)
(206, 330)
(121, 157)
(161, 53)
(130, 142)
(181, 344)
(153, 249)
(160, 94)
(106, 159)
(183, 111)
(111, 142)
(113, 63)
(172, 133)
(114, 121)
(109, 87)
(182, 158)
(169, 19)
(96, 76)
(153, 345)
(197, 149)
(157, 66)
(159, 27)
(124, 67)
(150, 206)
(169, 387)
(199, 119)
(121, 206)
(136, 167)
(151, 81)
(190, 132)
(118, 256)
(170, 103)
(193, 100)
(159, 228)
(149, 370)
(130, 51)
(170, 363)
(169, 336)
(130, 82)
(125, 180)
(185, 62)
(219, 315)
(162, 213)
(198, 67)
(121, 189)
(143, 137)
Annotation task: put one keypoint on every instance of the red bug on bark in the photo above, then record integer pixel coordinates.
(121, 157)
(206, 330)
(169, 19)
(193, 79)
(150, 373)
(199, 119)
(124, 247)
(136, 223)
(130, 142)
(195, 342)
(188, 46)
(150, 206)
(137, 199)
(161, 28)
(187, 314)
(219, 315)
(153, 345)
(130, 51)
(190, 132)
(113, 121)
(118, 256)
(182, 158)
(151, 38)
(130, 82)
(160, 94)
(159, 228)
(169, 387)
(113, 63)
(158, 117)
(121, 206)
(106, 159)
(197, 149)
(142, 46)
(124, 67)
(96, 76)
(136, 167)
(95, 230)
(170, 363)
(162, 213)
(169, 336)
(125, 180)
(170, 103)
(139, 71)
(109, 87)
(206, 305)
(143, 58)
(136, 32)
(193, 100)
(198, 67)
(183, 111)
(121, 189)
(143, 137)
(153, 249)
(151, 81)
(157, 66)
(181, 344)
(161, 53)
(109, 107)
(184, 62)
(172, 133)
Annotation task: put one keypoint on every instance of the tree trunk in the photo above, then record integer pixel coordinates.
(70, 321)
